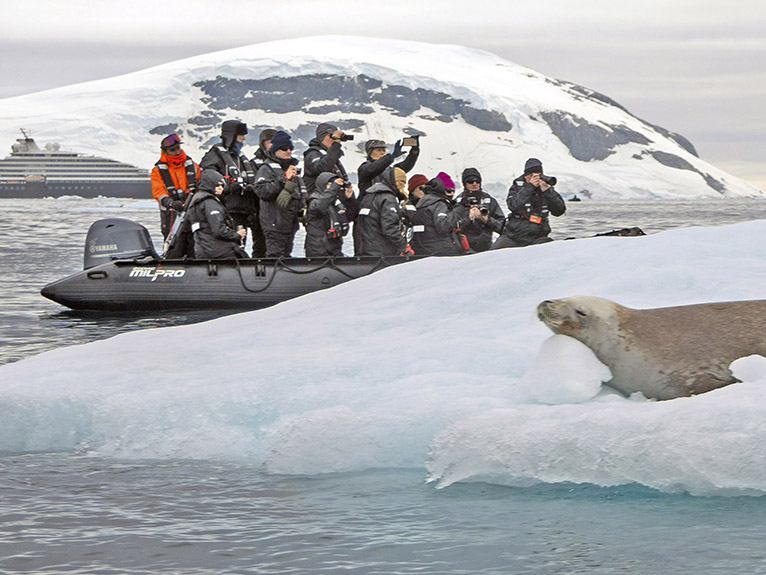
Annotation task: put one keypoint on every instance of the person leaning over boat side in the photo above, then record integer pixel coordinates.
(329, 211)
(214, 234)
(239, 198)
(174, 177)
(480, 214)
(277, 185)
(530, 200)
(383, 224)
(439, 221)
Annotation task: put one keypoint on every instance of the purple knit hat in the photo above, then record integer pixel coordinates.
(446, 180)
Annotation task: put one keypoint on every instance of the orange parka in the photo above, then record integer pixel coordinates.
(177, 173)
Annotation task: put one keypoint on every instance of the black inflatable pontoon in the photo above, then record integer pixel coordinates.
(124, 273)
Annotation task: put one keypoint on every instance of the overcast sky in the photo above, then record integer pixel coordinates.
(696, 67)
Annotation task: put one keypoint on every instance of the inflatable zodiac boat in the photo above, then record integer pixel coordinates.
(123, 272)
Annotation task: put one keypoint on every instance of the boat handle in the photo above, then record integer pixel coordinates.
(98, 275)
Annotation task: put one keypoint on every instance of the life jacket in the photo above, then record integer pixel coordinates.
(241, 173)
(338, 225)
(191, 179)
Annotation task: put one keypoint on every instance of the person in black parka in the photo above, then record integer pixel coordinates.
(278, 188)
(480, 214)
(323, 155)
(370, 171)
(437, 223)
(214, 236)
(264, 143)
(383, 224)
(239, 198)
(530, 200)
(329, 209)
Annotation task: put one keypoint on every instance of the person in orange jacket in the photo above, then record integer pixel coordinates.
(174, 177)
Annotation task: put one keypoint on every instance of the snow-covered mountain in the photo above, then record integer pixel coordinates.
(471, 108)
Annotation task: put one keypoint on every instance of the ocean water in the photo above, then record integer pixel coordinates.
(78, 511)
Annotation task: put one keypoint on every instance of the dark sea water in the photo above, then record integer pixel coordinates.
(83, 513)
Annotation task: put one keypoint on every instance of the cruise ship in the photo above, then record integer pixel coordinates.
(31, 172)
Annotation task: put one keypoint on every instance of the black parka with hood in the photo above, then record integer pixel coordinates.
(328, 213)
(318, 159)
(382, 221)
(224, 158)
(478, 234)
(530, 207)
(439, 221)
(214, 237)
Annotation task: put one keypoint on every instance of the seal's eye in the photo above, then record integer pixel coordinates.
(580, 313)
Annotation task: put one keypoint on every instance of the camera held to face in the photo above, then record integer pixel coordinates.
(550, 180)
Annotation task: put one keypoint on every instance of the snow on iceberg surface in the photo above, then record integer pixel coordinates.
(426, 364)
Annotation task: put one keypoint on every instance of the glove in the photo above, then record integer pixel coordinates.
(397, 149)
(283, 199)
(171, 204)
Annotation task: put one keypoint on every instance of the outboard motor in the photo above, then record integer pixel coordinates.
(116, 238)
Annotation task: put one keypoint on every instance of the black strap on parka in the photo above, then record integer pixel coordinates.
(191, 178)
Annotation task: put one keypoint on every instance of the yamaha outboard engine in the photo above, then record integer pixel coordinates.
(116, 238)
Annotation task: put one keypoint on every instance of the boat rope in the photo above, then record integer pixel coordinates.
(328, 263)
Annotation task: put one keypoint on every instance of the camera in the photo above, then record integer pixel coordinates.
(346, 137)
(411, 141)
(550, 180)
(474, 201)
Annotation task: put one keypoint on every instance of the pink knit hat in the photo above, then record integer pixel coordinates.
(446, 180)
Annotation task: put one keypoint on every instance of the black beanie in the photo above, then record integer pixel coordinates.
(533, 166)
(469, 173)
(281, 140)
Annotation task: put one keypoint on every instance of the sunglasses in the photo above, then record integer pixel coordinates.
(473, 181)
(170, 141)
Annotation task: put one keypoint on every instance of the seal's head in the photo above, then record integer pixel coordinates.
(586, 318)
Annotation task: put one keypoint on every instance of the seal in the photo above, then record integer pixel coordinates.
(663, 353)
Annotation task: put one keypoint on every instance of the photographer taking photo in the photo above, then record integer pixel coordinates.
(479, 213)
(531, 199)
(324, 154)
(329, 209)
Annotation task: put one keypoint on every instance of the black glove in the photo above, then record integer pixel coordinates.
(397, 149)
(171, 204)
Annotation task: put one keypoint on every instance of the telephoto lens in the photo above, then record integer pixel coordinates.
(550, 180)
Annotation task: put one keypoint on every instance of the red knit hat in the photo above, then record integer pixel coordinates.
(415, 181)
